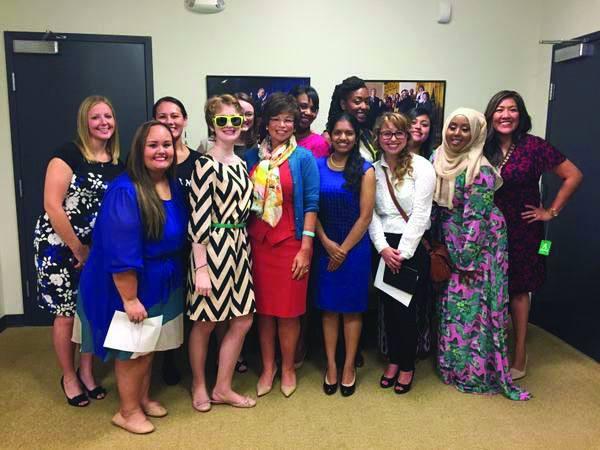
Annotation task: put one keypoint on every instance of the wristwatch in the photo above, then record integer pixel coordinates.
(553, 212)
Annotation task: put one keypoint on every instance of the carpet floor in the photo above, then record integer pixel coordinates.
(564, 413)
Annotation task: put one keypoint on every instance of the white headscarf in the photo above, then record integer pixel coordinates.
(449, 164)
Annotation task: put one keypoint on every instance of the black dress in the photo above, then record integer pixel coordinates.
(57, 278)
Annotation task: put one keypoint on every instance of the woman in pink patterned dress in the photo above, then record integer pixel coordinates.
(522, 159)
(473, 308)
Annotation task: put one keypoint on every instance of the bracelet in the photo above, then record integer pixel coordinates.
(553, 212)
(196, 269)
(308, 233)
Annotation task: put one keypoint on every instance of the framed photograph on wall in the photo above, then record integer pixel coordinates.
(405, 95)
(257, 87)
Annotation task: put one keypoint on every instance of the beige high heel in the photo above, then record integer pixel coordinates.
(517, 374)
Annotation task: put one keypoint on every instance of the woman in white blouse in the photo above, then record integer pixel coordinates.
(398, 241)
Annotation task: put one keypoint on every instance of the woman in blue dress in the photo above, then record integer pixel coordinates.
(135, 265)
(342, 254)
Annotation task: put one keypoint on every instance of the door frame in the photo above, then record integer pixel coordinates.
(28, 288)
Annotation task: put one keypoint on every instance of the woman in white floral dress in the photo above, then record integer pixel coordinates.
(76, 179)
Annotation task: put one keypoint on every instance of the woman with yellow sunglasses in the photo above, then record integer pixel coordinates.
(221, 288)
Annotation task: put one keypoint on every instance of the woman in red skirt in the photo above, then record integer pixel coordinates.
(285, 204)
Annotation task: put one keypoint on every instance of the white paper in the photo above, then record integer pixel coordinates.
(127, 336)
(397, 294)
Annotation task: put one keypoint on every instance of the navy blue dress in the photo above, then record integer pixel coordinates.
(120, 245)
(345, 290)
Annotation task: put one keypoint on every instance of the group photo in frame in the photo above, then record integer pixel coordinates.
(404, 95)
(257, 87)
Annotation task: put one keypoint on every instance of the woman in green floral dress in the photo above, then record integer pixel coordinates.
(473, 308)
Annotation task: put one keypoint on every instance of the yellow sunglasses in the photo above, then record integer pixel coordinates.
(222, 121)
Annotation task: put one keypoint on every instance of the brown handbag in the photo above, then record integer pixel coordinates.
(440, 267)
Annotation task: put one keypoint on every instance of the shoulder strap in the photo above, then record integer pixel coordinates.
(393, 195)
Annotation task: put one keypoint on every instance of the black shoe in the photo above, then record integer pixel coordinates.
(170, 373)
(400, 388)
(386, 382)
(98, 393)
(347, 391)
(329, 389)
(241, 365)
(359, 361)
(78, 399)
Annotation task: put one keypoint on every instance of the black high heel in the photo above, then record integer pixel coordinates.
(348, 390)
(329, 389)
(98, 393)
(75, 401)
(386, 382)
(400, 388)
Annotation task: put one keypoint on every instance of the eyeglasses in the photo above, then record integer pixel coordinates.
(222, 121)
(387, 135)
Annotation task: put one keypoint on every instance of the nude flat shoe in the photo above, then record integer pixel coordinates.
(156, 410)
(203, 407)
(247, 402)
(142, 428)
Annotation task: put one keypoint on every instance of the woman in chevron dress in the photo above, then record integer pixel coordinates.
(221, 286)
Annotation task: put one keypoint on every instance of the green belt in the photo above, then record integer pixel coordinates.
(228, 225)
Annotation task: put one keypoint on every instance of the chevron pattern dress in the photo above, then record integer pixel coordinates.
(221, 193)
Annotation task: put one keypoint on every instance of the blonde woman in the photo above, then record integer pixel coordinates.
(76, 179)
(398, 241)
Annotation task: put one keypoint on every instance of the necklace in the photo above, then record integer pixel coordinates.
(507, 157)
(334, 165)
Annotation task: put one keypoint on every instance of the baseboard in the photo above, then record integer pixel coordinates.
(11, 320)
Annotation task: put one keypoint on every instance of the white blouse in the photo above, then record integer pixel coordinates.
(414, 195)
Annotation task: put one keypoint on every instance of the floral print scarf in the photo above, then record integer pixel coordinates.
(267, 197)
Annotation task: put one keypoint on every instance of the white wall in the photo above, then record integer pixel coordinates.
(488, 46)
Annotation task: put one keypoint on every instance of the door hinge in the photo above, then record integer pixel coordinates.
(14, 82)
(20, 188)
(551, 92)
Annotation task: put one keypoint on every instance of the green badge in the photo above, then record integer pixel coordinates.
(545, 247)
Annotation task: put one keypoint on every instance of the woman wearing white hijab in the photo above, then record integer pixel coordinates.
(473, 308)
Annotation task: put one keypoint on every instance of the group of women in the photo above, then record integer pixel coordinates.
(249, 221)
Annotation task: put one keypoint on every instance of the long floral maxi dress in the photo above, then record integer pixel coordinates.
(473, 309)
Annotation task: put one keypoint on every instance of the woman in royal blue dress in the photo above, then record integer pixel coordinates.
(342, 254)
(135, 265)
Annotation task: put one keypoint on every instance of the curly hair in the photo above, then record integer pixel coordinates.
(404, 158)
(215, 103)
(341, 92)
(353, 171)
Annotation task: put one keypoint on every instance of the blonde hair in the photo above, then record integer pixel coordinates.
(215, 103)
(404, 158)
(83, 141)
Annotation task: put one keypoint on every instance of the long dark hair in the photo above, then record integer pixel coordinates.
(425, 148)
(341, 92)
(492, 150)
(169, 99)
(150, 204)
(353, 171)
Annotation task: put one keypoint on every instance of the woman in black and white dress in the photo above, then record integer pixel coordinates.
(76, 179)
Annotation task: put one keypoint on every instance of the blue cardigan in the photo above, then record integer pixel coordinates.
(305, 176)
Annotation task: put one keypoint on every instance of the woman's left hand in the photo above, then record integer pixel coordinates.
(334, 264)
(533, 214)
(301, 264)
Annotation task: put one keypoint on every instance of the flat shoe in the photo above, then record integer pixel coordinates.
(328, 388)
(203, 407)
(247, 402)
(142, 428)
(78, 399)
(155, 410)
(347, 390)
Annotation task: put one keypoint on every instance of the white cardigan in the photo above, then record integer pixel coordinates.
(414, 196)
